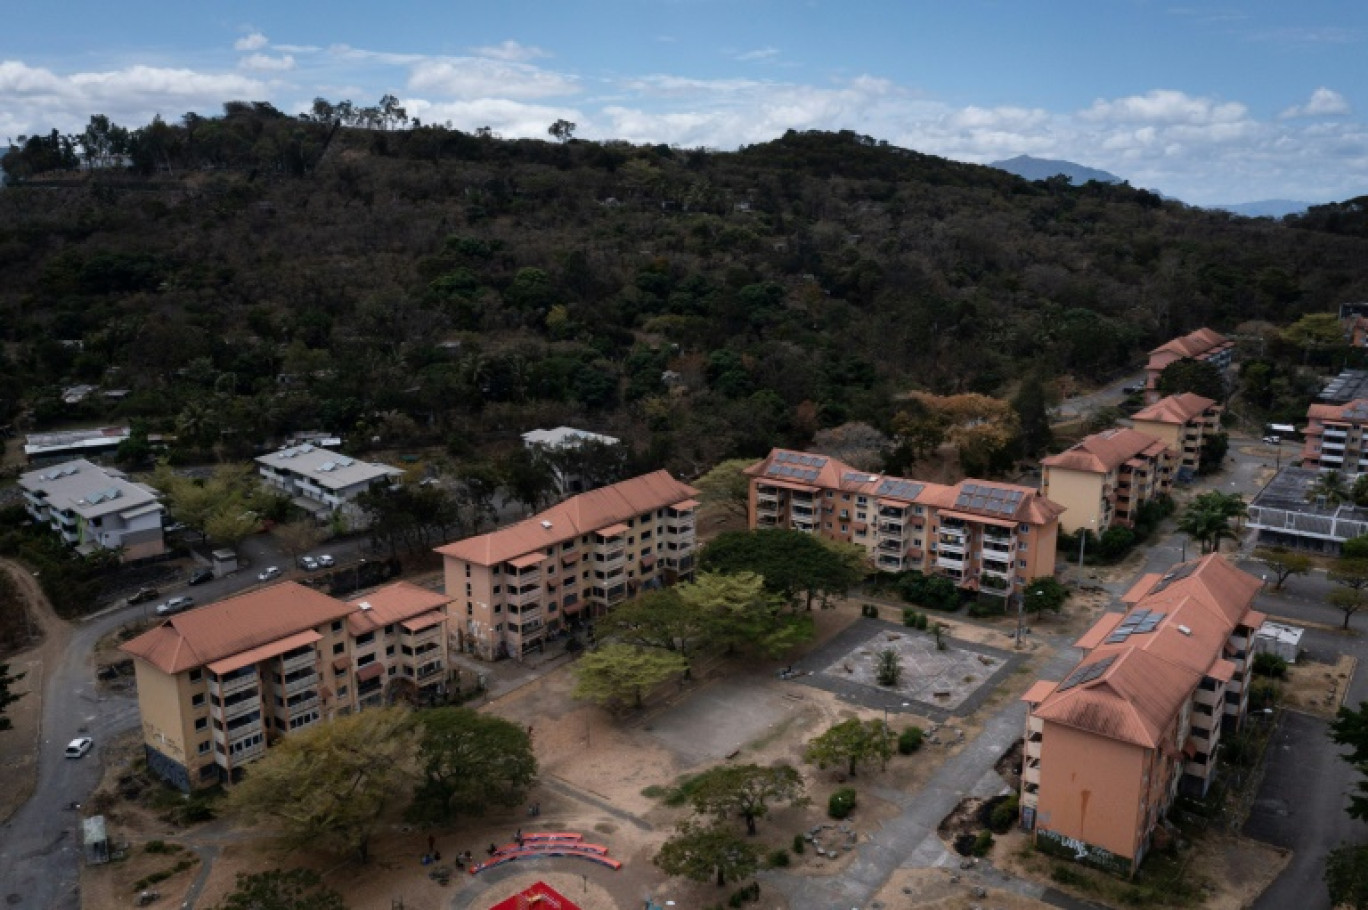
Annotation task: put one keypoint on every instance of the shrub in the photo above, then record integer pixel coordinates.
(778, 859)
(870, 611)
(1270, 665)
(747, 894)
(799, 845)
(1066, 875)
(910, 740)
(1263, 693)
(841, 803)
(1004, 814)
(157, 846)
(888, 667)
(983, 843)
(988, 605)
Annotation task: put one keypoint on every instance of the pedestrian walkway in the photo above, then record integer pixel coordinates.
(910, 841)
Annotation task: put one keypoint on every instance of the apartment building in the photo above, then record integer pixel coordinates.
(1181, 422)
(1335, 437)
(1104, 479)
(94, 508)
(988, 537)
(219, 685)
(561, 442)
(1141, 717)
(322, 482)
(1203, 344)
(512, 587)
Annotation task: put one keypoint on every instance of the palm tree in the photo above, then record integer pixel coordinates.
(1207, 526)
(1329, 486)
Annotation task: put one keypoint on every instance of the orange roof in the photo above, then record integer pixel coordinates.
(1175, 409)
(390, 604)
(1153, 666)
(1198, 344)
(1355, 412)
(825, 472)
(578, 515)
(1104, 452)
(1038, 691)
(231, 626)
(1141, 587)
(258, 654)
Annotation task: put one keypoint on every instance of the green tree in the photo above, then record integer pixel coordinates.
(529, 478)
(1044, 593)
(1355, 548)
(727, 486)
(1208, 526)
(850, 743)
(1350, 728)
(794, 565)
(1346, 876)
(888, 667)
(1352, 576)
(328, 786)
(656, 619)
(1213, 452)
(297, 538)
(469, 762)
(1199, 377)
(746, 790)
(1283, 563)
(742, 616)
(7, 695)
(276, 889)
(708, 853)
(1033, 412)
(1329, 486)
(561, 130)
(615, 674)
(1359, 491)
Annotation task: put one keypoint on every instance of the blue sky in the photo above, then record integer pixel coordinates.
(1212, 103)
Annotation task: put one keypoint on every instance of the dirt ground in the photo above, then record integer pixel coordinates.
(19, 747)
(933, 889)
(1317, 688)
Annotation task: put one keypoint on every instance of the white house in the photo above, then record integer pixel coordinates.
(96, 508)
(322, 482)
(559, 440)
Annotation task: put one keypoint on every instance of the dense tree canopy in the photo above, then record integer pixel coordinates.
(469, 762)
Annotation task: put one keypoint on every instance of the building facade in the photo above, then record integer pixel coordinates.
(1141, 717)
(1104, 479)
(219, 685)
(94, 508)
(561, 443)
(989, 537)
(322, 482)
(1203, 344)
(65, 445)
(1181, 422)
(572, 562)
(1334, 437)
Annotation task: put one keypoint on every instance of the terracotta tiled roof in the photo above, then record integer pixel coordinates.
(1175, 408)
(1135, 700)
(578, 515)
(391, 604)
(1202, 342)
(828, 473)
(231, 626)
(1104, 452)
(1355, 412)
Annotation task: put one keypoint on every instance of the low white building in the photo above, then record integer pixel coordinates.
(562, 439)
(1278, 639)
(64, 445)
(95, 508)
(322, 482)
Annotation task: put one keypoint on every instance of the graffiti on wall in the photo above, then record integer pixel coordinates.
(1062, 845)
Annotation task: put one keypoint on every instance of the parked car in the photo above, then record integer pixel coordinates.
(201, 576)
(268, 573)
(308, 563)
(175, 605)
(79, 746)
(1273, 440)
(1133, 389)
(325, 560)
(144, 595)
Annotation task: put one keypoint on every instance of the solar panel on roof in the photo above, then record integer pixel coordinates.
(1087, 674)
(1117, 638)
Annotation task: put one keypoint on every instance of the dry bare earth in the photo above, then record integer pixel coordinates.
(1318, 688)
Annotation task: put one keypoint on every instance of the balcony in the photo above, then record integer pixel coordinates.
(236, 709)
(890, 562)
(295, 686)
(428, 670)
(767, 496)
(1032, 749)
(304, 661)
(1030, 772)
(946, 562)
(763, 508)
(299, 707)
(806, 525)
(525, 579)
(613, 556)
(223, 688)
(237, 733)
(529, 595)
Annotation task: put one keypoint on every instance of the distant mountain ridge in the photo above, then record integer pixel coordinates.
(1265, 208)
(1029, 168)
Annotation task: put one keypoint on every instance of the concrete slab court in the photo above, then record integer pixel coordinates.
(936, 684)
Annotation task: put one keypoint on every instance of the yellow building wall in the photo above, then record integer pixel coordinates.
(1091, 789)
(168, 717)
(1168, 433)
(1040, 554)
(1080, 493)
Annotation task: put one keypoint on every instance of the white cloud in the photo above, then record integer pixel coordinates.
(758, 55)
(1324, 102)
(511, 51)
(476, 77)
(505, 117)
(1165, 106)
(253, 42)
(267, 63)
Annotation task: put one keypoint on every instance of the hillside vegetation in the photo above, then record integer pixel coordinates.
(254, 274)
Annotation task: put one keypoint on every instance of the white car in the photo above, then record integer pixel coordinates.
(268, 573)
(175, 605)
(308, 563)
(325, 560)
(79, 747)
(1273, 440)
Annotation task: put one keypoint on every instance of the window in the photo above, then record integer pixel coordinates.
(339, 648)
(197, 701)
(202, 723)
(196, 675)
(845, 497)
(918, 510)
(365, 660)
(204, 747)
(498, 608)
(1024, 528)
(389, 651)
(470, 591)
(341, 672)
(341, 691)
(496, 589)
(830, 495)
(389, 629)
(393, 670)
(363, 640)
(470, 608)
(861, 500)
(1021, 563)
(337, 625)
(645, 536)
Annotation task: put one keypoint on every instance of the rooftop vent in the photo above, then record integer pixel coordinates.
(546, 524)
(1185, 630)
(365, 605)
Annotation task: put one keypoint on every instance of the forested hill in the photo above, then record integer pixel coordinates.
(253, 274)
